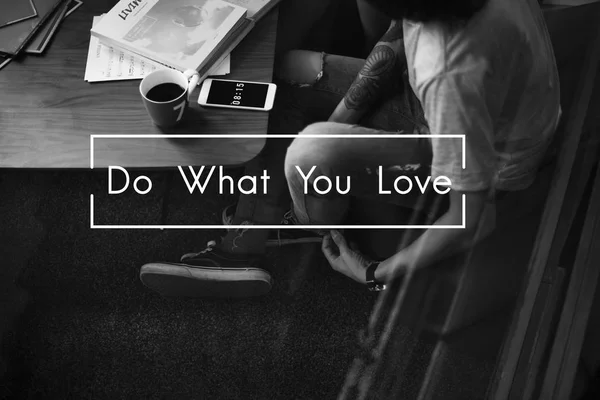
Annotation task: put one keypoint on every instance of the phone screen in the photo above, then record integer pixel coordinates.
(241, 94)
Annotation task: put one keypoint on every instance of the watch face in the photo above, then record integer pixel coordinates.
(377, 287)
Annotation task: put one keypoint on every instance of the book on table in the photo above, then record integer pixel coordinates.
(12, 13)
(15, 36)
(38, 43)
(109, 63)
(181, 34)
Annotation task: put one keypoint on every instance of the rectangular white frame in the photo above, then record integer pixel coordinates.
(273, 136)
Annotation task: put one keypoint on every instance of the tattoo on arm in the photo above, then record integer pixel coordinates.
(381, 61)
(381, 72)
(360, 95)
(376, 77)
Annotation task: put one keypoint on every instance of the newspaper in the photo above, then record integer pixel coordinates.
(253, 6)
(109, 63)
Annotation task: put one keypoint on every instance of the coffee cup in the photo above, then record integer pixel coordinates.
(166, 94)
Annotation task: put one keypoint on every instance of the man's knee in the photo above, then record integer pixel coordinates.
(325, 128)
(301, 67)
(300, 155)
(307, 152)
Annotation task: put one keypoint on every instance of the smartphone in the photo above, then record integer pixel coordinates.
(244, 95)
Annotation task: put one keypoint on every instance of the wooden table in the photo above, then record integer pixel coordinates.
(48, 112)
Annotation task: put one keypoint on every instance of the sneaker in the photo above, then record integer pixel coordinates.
(209, 273)
(279, 237)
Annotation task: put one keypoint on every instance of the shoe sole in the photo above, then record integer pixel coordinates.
(180, 280)
(273, 242)
(283, 242)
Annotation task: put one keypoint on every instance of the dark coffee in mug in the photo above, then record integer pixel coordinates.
(165, 92)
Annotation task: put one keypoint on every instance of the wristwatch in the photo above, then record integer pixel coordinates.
(372, 283)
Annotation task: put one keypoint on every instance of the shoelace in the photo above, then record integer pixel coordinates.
(289, 218)
(210, 245)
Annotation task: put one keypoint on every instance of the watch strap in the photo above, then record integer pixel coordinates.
(372, 283)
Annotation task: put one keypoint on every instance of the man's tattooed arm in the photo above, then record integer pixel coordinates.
(379, 76)
(374, 80)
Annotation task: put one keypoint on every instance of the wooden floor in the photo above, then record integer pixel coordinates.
(524, 368)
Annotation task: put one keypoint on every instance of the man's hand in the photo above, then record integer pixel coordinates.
(435, 245)
(345, 258)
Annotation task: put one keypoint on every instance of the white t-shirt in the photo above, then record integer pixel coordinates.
(493, 79)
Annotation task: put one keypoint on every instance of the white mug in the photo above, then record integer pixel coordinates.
(166, 94)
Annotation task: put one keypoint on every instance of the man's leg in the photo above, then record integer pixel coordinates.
(402, 113)
(311, 85)
(349, 164)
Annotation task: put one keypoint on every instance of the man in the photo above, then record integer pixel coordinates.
(482, 69)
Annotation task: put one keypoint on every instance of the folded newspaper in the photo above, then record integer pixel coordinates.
(109, 63)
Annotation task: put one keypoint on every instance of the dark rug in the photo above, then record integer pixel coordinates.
(91, 330)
